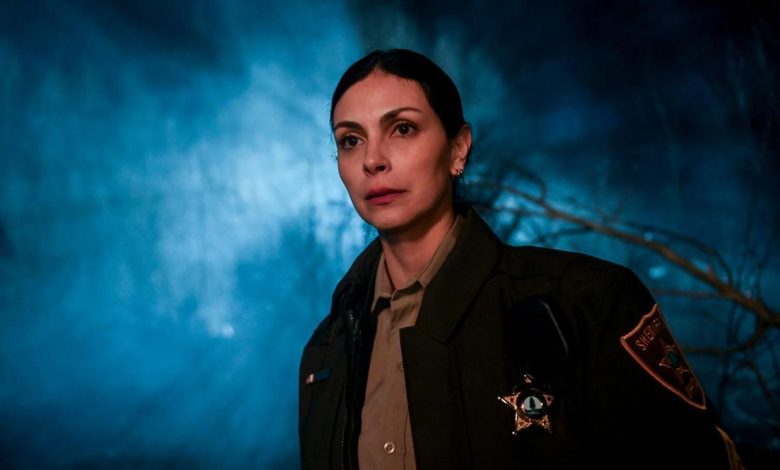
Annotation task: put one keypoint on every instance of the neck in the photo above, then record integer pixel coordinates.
(406, 254)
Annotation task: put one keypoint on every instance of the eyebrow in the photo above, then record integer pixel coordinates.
(388, 116)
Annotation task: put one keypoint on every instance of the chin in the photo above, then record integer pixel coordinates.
(386, 219)
(385, 224)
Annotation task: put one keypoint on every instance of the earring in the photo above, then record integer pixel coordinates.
(458, 172)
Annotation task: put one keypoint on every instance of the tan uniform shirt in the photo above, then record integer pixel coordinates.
(386, 437)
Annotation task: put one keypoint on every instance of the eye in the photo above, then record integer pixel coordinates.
(349, 141)
(405, 128)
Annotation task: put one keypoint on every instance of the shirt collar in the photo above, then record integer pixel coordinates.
(383, 289)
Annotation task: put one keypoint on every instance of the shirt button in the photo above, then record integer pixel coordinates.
(400, 366)
(389, 447)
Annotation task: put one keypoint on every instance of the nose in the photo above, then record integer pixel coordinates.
(375, 160)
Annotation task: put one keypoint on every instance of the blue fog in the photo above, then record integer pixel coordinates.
(172, 222)
(160, 166)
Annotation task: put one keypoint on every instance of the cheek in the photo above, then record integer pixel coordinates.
(428, 155)
(347, 176)
(443, 164)
(439, 164)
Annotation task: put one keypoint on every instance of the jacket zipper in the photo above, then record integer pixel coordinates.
(344, 426)
(349, 425)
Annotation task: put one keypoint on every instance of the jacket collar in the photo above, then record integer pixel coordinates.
(460, 278)
(356, 288)
(451, 290)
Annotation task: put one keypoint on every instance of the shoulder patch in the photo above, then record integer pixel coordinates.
(651, 345)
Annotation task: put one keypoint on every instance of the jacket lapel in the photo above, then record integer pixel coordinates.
(451, 291)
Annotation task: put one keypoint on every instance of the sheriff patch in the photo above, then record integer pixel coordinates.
(651, 344)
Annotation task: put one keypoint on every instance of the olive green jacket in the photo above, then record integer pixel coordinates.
(495, 320)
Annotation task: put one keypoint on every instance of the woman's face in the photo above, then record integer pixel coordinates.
(394, 156)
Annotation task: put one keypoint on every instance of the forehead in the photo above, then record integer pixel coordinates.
(377, 94)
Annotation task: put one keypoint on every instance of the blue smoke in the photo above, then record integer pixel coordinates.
(172, 223)
(167, 183)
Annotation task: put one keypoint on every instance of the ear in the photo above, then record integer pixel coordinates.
(459, 150)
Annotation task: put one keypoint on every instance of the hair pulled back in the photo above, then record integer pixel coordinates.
(439, 89)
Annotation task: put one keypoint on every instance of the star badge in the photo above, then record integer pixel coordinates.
(530, 405)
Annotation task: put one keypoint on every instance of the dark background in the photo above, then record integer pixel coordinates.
(172, 223)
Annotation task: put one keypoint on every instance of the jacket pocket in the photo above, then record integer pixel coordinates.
(320, 385)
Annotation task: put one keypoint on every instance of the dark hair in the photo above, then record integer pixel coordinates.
(438, 87)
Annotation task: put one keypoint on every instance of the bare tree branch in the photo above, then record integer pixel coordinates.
(689, 294)
(750, 343)
(542, 208)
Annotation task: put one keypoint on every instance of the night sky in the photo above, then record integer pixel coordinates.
(172, 222)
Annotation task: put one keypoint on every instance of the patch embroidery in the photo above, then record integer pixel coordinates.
(651, 344)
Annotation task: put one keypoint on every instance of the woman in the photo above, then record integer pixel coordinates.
(445, 348)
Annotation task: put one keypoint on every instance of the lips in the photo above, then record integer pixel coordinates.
(382, 196)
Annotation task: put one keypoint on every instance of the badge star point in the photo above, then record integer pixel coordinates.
(537, 404)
